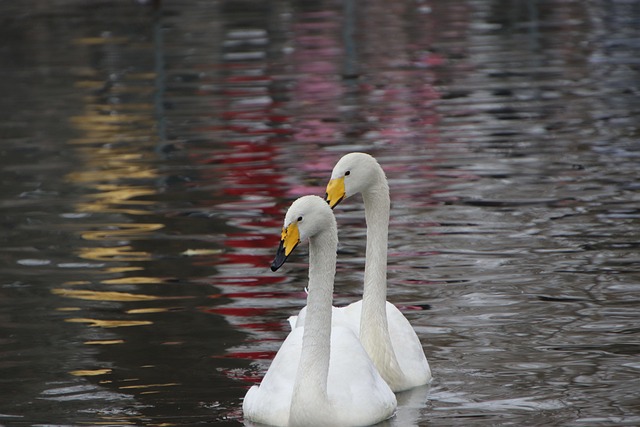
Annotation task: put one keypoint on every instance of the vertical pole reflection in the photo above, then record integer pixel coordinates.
(158, 51)
(348, 30)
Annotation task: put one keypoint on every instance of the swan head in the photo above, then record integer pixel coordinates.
(307, 217)
(354, 173)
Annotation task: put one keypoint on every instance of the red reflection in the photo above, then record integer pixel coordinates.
(255, 355)
(249, 184)
(262, 326)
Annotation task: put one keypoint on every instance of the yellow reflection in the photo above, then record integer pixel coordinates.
(104, 342)
(93, 125)
(119, 253)
(77, 282)
(115, 201)
(117, 170)
(112, 167)
(100, 139)
(133, 281)
(141, 76)
(88, 295)
(68, 309)
(90, 372)
(102, 109)
(200, 252)
(142, 386)
(94, 121)
(118, 231)
(147, 310)
(115, 140)
(122, 269)
(109, 323)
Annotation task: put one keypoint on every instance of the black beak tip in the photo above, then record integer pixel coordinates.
(277, 263)
(279, 259)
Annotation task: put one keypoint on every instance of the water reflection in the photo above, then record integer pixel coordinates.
(150, 149)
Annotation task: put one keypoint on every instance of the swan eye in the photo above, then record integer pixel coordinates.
(299, 218)
(347, 173)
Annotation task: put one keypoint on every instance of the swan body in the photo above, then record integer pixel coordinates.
(322, 375)
(385, 333)
(406, 344)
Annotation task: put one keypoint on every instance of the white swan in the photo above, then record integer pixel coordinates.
(321, 376)
(385, 333)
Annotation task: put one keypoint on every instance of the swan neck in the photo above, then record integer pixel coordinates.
(310, 389)
(374, 327)
(376, 208)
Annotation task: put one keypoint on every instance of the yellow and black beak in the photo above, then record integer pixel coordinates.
(288, 242)
(335, 192)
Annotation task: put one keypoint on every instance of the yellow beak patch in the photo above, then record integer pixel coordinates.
(290, 237)
(335, 191)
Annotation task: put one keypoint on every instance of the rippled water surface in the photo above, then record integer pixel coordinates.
(149, 151)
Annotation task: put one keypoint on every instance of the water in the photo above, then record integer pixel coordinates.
(149, 153)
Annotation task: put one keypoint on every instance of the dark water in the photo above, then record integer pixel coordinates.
(148, 153)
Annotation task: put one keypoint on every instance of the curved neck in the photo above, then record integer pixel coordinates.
(376, 211)
(374, 328)
(310, 388)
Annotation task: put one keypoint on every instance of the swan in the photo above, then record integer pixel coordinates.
(321, 376)
(384, 332)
